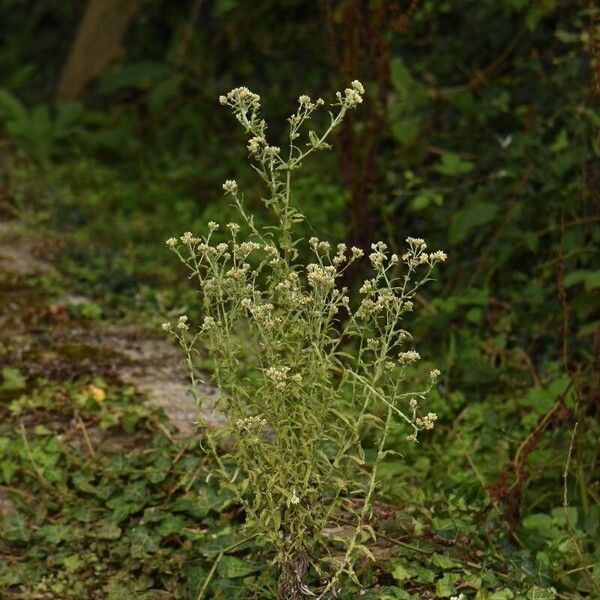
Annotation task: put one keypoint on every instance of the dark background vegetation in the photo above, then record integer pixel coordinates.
(480, 132)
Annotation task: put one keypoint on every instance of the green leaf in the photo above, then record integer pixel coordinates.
(12, 379)
(561, 141)
(53, 534)
(446, 586)
(406, 129)
(74, 563)
(445, 562)
(541, 400)
(14, 528)
(426, 199)
(543, 524)
(475, 214)
(11, 106)
(232, 567)
(9, 469)
(400, 572)
(8, 575)
(590, 279)
(107, 531)
(400, 75)
(452, 164)
(170, 524)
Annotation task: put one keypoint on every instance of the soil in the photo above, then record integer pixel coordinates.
(39, 336)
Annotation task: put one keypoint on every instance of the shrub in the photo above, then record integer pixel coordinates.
(303, 370)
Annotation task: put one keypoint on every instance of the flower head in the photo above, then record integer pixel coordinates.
(409, 356)
(230, 186)
(183, 323)
(416, 242)
(358, 86)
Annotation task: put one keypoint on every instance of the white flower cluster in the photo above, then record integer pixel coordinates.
(378, 300)
(238, 273)
(241, 97)
(208, 324)
(434, 375)
(262, 313)
(242, 251)
(408, 357)
(258, 146)
(319, 276)
(255, 143)
(427, 421)
(353, 96)
(373, 344)
(322, 248)
(230, 186)
(305, 102)
(188, 238)
(294, 499)
(416, 242)
(416, 254)
(182, 325)
(290, 292)
(279, 376)
(377, 257)
(251, 423)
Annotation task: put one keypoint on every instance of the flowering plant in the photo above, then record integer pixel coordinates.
(302, 369)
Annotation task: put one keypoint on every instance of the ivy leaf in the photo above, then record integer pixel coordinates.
(446, 586)
(53, 534)
(401, 573)
(14, 528)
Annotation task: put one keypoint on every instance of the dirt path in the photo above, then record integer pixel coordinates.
(39, 336)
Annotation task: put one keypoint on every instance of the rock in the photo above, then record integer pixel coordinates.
(16, 254)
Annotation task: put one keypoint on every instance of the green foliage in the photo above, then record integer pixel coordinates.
(40, 129)
(487, 146)
(129, 512)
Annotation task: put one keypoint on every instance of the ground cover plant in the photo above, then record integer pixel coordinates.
(479, 132)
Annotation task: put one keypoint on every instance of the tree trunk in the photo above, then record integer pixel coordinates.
(98, 43)
(358, 32)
